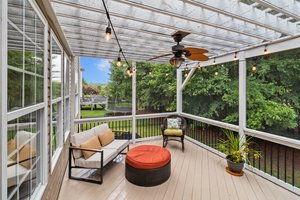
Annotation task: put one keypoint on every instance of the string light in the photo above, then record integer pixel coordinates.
(214, 61)
(108, 32)
(216, 73)
(266, 50)
(254, 67)
(235, 56)
(119, 63)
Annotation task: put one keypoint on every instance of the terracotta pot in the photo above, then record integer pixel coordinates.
(235, 167)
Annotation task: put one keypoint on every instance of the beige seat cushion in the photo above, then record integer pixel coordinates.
(79, 138)
(106, 137)
(92, 143)
(172, 131)
(117, 144)
(94, 160)
(27, 152)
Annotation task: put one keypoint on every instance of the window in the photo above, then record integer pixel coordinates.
(24, 161)
(56, 64)
(25, 84)
(25, 57)
(66, 95)
(57, 100)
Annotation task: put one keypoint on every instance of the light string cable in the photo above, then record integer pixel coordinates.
(112, 27)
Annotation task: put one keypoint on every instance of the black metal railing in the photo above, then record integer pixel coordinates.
(277, 160)
(145, 127)
(205, 133)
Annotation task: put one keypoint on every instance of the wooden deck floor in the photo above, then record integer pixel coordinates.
(196, 174)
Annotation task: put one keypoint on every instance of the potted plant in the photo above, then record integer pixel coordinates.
(236, 150)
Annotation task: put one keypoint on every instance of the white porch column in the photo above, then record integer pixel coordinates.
(133, 102)
(72, 95)
(3, 99)
(178, 91)
(242, 93)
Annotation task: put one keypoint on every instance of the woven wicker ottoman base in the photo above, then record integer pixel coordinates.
(151, 166)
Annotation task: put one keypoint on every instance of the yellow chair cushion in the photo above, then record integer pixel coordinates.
(173, 131)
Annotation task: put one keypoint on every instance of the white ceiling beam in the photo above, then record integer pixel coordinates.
(131, 17)
(218, 7)
(155, 35)
(142, 5)
(289, 8)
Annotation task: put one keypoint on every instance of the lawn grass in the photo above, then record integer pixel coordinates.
(87, 112)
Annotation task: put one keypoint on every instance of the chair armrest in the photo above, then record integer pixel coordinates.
(120, 131)
(86, 149)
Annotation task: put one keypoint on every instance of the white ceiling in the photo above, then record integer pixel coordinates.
(145, 26)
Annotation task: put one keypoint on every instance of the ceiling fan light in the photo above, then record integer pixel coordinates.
(178, 61)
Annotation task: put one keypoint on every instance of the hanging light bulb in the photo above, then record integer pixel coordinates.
(185, 74)
(119, 63)
(254, 67)
(216, 73)
(108, 33)
(199, 67)
(128, 71)
(235, 56)
(266, 50)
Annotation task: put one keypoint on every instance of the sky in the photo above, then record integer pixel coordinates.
(96, 70)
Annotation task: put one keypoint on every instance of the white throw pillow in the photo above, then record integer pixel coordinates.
(172, 123)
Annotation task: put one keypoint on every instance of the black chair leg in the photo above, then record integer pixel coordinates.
(182, 141)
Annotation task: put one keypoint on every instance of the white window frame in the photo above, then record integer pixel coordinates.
(41, 108)
(59, 101)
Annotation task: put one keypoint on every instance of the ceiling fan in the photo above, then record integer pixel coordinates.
(179, 51)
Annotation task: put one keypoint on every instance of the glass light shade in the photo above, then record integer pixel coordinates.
(178, 62)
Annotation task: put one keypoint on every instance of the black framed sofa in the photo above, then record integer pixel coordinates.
(94, 149)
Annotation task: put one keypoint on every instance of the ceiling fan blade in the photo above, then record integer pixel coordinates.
(194, 50)
(199, 57)
(165, 51)
(169, 54)
(171, 61)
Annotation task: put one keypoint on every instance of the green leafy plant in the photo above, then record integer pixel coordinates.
(236, 148)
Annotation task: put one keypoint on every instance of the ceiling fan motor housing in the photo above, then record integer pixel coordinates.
(177, 50)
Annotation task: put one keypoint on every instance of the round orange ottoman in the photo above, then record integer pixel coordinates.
(148, 165)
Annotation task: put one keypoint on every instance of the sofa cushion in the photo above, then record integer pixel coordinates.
(106, 137)
(117, 144)
(22, 137)
(27, 152)
(92, 143)
(172, 131)
(12, 173)
(11, 146)
(94, 160)
(79, 138)
(101, 128)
